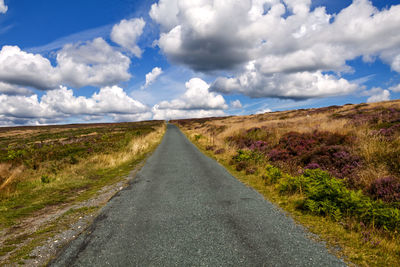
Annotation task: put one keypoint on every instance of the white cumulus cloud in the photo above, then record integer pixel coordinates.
(59, 104)
(378, 95)
(165, 13)
(93, 63)
(9, 89)
(126, 34)
(236, 104)
(152, 76)
(25, 69)
(279, 40)
(168, 114)
(298, 85)
(196, 96)
(3, 7)
(196, 102)
(264, 110)
(395, 88)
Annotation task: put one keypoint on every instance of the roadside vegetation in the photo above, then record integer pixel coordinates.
(335, 169)
(45, 168)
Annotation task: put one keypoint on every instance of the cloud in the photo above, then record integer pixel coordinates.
(107, 100)
(196, 96)
(210, 34)
(236, 104)
(378, 95)
(165, 13)
(168, 114)
(126, 34)
(280, 39)
(152, 76)
(3, 7)
(132, 117)
(203, 35)
(298, 85)
(262, 111)
(395, 63)
(196, 102)
(395, 88)
(9, 89)
(86, 35)
(93, 63)
(59, 104)
(26, 69)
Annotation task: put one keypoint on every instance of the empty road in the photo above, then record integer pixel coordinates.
(184, 209)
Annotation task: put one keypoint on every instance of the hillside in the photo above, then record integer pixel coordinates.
(336, 169)
(54, 177)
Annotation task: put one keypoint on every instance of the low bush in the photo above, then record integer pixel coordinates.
(324, 150)
(387, 189)
(325, 195)
(241, 166)
(247, 156)
(272, 174)
(212, 148)
(219, 151)
(251, 170)
(45, 179)
(253, 139)
(335, 158)
(197, 137)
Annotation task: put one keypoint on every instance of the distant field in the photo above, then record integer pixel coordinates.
(336, 169)
(46, 167)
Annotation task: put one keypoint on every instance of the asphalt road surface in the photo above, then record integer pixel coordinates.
(184, 209)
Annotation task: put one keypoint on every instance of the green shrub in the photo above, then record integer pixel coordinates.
(197, 137)
(247, 155)
(13, 154)
(272, 174)
(242, 155)
(328, 196)
(73, 160)
(292, 184)
(45, 179)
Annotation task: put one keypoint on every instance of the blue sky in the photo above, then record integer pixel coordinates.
(97, 60)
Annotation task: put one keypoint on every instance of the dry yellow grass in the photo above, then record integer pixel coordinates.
(137, 146)
(9, 175)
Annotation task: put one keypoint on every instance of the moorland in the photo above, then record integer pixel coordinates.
(335, 169)
(44, 169)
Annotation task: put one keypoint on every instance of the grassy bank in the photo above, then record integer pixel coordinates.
(335, 169)
(44, 169)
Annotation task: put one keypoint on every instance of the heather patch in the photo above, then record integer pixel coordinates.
(387, 189)
(219, 151)
(253, 139)
(325, 150)
(378, 116)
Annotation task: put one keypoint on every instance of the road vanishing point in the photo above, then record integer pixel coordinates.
(184, 209)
